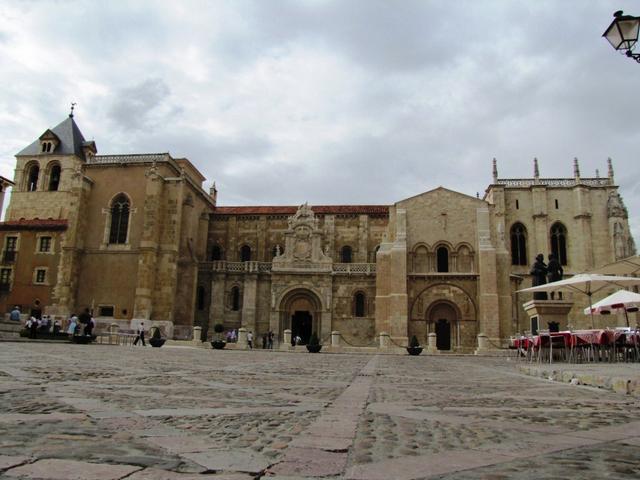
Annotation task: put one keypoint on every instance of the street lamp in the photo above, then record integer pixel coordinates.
(622, 34)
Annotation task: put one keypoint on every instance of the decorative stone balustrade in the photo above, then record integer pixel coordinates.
(223, 266)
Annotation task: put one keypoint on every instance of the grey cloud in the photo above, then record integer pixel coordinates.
(133, 106)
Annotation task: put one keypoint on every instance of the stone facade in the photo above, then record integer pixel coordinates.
(135, 237)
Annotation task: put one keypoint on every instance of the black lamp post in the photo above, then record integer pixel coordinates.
(622, 34)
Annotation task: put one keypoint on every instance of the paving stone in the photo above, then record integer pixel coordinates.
(7, 461)
(331, 444)
(472, 418)
(157, 474)
(311, 462)
(230, 460)
(182, 443)
(52, 469)
(410, 468)
(36, 417)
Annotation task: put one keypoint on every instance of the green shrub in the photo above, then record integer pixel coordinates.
(156, 333)
(218, 328)
(314, 339)
(414, 342)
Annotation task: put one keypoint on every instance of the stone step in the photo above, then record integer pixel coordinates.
(10, 329)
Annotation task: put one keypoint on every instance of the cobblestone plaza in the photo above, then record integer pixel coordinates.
(101, 412)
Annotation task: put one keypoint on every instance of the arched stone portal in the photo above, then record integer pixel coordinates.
(301, 313)
(444, 319)
(450, 312)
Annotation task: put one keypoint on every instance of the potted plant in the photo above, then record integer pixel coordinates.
(314, 344)
(82, 339)
(218, 343)
(156, 339)
(414, 347)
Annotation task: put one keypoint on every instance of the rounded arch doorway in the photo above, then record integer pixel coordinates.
(300, 312)
(443, 321)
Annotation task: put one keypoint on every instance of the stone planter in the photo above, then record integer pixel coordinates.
(414, 350)
(314, 348)
(218, 344)
(157, 342)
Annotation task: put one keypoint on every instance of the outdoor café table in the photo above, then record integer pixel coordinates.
(601, 341)
(546, 339)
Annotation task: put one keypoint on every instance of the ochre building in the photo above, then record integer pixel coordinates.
(137, 238)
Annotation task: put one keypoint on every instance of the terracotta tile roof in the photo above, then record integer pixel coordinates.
(318, 209)
(34, 224)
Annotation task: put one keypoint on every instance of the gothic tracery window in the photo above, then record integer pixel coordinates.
(559, 242)
(518, 244)
(120, 209)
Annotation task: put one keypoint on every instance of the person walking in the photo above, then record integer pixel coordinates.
(250, 339)
(270, 340)
(140, 335)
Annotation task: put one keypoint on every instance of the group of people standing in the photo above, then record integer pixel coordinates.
(267, 338)
(36, 324)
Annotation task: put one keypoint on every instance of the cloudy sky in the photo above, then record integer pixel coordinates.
(330, 102)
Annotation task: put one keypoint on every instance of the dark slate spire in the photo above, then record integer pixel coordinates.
(71, 140)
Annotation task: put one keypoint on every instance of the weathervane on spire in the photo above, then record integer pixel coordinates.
(73, 105)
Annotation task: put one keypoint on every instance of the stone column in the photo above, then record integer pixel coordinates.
(216, 307)
(384, 340)
(483, 343)
(391, 282)
(113, 334)
(286, 343)
(242, 339)
(432, 343)
(335, 338)
(249, 299)
(488, 279)
(197, 335)
(147, 258)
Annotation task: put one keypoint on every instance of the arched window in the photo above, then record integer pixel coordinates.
(54, 178)
(559, 242)
(216, 253)
(442, 259)
(235, 299)
(345, 254)
(465, 259)
(245, 253)
(32, 178)
(359, 304)
(200, 298)
(518, 244)
(420, 259)
(119, 219)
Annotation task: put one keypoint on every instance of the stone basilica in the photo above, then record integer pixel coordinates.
(135, 237)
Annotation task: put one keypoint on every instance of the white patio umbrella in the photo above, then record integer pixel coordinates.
(625, 266)
(621, 300)
(586, 284)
